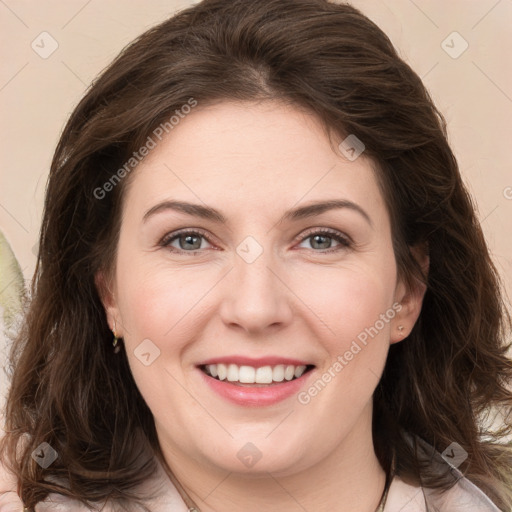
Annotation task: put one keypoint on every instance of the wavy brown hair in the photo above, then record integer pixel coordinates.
(70, 390)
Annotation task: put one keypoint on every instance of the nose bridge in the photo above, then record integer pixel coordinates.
(256, 298)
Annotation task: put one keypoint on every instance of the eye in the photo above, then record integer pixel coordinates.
(187, 241)
(191, 241)
(322, 239)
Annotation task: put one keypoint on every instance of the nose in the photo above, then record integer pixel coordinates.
(255, 296)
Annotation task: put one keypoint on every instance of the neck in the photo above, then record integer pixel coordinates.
(349, 478)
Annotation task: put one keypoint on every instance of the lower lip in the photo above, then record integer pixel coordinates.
(255, 396)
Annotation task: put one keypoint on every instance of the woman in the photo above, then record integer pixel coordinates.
(261, 284)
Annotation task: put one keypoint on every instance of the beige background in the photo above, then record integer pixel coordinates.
(474, 91)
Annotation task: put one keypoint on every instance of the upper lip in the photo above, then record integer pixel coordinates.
(255, 362)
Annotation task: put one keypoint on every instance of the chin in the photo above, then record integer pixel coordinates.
(256, 460)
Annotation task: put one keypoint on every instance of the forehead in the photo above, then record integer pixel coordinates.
(255, 156)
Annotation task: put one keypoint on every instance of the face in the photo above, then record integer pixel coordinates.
(254, 278)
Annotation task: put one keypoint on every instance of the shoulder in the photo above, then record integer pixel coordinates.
(161, 493)
(464, 496)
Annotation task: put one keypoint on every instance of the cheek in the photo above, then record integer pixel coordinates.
(355, 344)
(153, 298)
(157, 305)
(350, 299)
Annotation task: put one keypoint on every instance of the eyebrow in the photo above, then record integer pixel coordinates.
(302, 212)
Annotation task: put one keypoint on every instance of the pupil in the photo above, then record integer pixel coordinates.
(189, 240)
(326, 245)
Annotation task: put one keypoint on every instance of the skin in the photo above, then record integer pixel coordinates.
(253, 162)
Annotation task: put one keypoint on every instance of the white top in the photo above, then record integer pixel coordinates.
(402, 497)
(464, 496)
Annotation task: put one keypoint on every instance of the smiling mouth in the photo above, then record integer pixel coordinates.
(248, 376)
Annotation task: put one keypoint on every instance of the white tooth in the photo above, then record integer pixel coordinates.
(299, 371)
(264, 375)
(289, 372)
(278, 373)
(222, 371)
(212, 368)
(246, 374)
(232, 372)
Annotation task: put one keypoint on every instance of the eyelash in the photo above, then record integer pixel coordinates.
(344, 240)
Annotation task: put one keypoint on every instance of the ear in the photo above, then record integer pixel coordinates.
(107, 296)
(410, 298)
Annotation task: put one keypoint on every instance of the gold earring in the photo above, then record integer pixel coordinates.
(116, 340)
